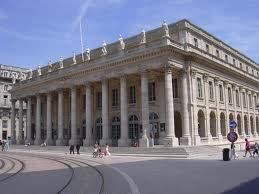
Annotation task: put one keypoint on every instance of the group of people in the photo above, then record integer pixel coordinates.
(5, 145)
(248, 149)
(98, 149)
(72, 149)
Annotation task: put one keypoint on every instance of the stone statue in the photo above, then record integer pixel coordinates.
(61, 64)
(165, 29)
(29, 74)
(13, 79)
(143, 37)
(39, 70)
(104, 49)
(74, 58)
(20, 76)
(49, 66)
(122, 44)
(88, 56)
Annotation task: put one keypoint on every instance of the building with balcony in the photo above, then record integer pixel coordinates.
(174, 85)
(8, 76)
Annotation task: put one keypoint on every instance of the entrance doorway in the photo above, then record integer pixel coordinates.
(134, 130)
(154, 127)
(116, 130)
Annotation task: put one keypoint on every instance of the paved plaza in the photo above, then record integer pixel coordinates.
(52, 171)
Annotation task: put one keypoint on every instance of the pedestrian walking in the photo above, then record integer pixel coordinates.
(3, 145)
(6, 147)
(107, 152)
(77, 148)
(72, 149)
(248, 148)
(256, 149)
(233, 151)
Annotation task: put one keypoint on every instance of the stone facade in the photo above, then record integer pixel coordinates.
(8, 76)
(174, 85)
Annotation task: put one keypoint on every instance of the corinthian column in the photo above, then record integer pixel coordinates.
(20, 130)
(186, 138)
(170, 139)
(38, 139)
(88, 141)
(60, 141)
(144, 141)
(49, 140)
(74, 137)
(218, 111)
(105, 117)
(124, 140)
(13, 136)
(28, 131)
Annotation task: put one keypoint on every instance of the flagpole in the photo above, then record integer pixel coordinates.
(81, 38)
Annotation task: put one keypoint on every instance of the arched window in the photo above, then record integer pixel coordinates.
(116, 128)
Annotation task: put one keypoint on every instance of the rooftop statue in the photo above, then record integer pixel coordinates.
(49, 66)
(88, 54)
(165, 28)
(13, 79)
(74, 58)
(122, 44)
(39, 70)
(104, 49)
(61, 64)
(143, 37)
(29, 74)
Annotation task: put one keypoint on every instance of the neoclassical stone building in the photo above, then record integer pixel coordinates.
(174, 85)
(8, 76)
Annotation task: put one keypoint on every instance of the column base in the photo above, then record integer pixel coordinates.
(103, 142)
(30, 141)
(38, 141)
(124, 142)
(13, 141)
(74, 142)
(197, 140)
(171, 142)
(88, 142)
(185, 140)
(49, 142)
(144, 142)
(20, 141)
(61, 142)
(220, 137)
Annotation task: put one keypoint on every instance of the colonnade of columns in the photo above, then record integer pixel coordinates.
(170, 139)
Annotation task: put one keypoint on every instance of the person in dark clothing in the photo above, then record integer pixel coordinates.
(71, 148)
(77, 149)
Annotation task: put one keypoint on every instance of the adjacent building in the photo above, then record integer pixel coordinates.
(174, 85)
(8, 76)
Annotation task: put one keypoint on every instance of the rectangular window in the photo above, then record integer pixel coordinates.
(234, 62)
(255, 101)
(226, 58)
(229, 96)
(195, 42)
(207, 48)
(247, 68)
(4, 124)
(115, 97)
(250, 101)
(221, 98)
(241, 66)
(217, 53)
(5, 88)
(132, 95)
(151, 91)
(99, 100)
(199, 87)
(244, 99)
(175, 88)
(84, 102)
(211, 90)
(237, 98)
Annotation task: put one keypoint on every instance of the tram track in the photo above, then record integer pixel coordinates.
(65, 162)
(11, 159)
(2, 163)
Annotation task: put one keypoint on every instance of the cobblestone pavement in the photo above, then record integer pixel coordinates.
(50, 172)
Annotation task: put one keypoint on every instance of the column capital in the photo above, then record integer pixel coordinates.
(225, 83)
(205, 77)
(88, 84)
(194, 73)
(216, 81)
(13, 100)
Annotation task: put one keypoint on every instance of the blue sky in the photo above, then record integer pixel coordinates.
(33, 32)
